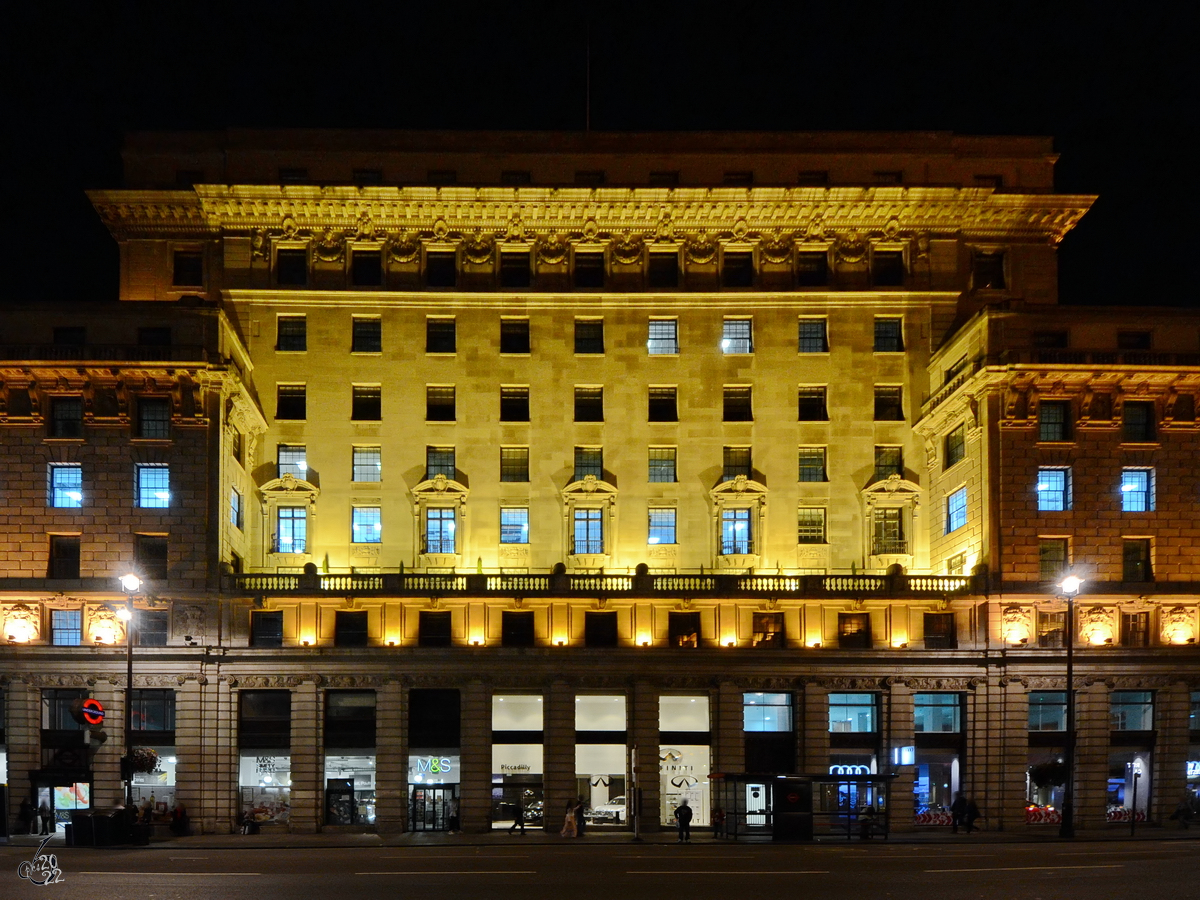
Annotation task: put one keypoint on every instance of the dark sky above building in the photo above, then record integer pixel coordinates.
(1116, 91)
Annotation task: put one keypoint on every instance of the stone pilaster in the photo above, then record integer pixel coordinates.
(898, 708)
(558, 752)
(1172, 706)
(391, 758)
(107, 787)
(643, 734)
(1012, 759)
(22, 732)
(813, 730)
(475, 800)
(729, 741)
(1091, 756)
(308, 761)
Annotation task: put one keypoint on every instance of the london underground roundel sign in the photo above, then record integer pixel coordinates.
(93, 711)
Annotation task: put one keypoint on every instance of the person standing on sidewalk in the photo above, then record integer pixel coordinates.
(45, 814)
(25, 817)
(971, 814)
(958, 812)
(580, 811)
(683, 817)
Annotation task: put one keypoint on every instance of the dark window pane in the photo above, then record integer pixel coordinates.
(514, 404)
(514, 335)
(150, 556)
(441, 269)
(514, 464)
(1136, 560)
(366, 268)
(1053, 421)
(589, 270)
(264, 719)
(663, 405)
(663, 271)
(1133, 340)
(367, 403)
(515, 272)
(188, 269)
(987, 271)
(291, 268)
(589, 461)
(887, 268)
(589, 335)
(888, 405)
(812, 405)
(154, 337)
(813, 337)
(66, 417)
(737, 269)
(434, 629)
(683, 629)
(600, 629)
(736, 462)
(889, 335)
(350, 629)
(1138, 420)
(292, 333)
(154, 418)
(940, 631)
(291, 401)
(854, 631)
(439, 461)
(151, 628)
(737, 404)
(367, 177)
(516, 629)
(64, 556)
(888, 461)
(367, 336)
(589, 404)
(439, 403)
(439, 336)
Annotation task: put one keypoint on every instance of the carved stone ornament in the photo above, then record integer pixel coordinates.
(848, 683)
(364, 228)
(922, 246)
(815, 231)
(553, 251)
(1016, 624)
(590, 483)
(665, 229)
(440, 483)
(330, 246)
(515, 230)
(260, 244)
(103, 625)
(851, 249)
(940, 684)
(403, 248)
(628, 249)
(590, 230)
(1096, 625)
(701, 249)
(740, 229)
(289, 227)
(1178, 625)
(740, 483)
(479, 249)
(21, 624)
(440, 229)
(891, 228)
(776, 249)
(190, 620)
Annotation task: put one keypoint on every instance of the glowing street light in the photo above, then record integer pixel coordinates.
(1070, 589)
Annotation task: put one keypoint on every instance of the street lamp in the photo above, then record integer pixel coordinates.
(1070, 588)
(130, 584)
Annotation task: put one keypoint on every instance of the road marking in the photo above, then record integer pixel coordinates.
(727, 872)
(189, 857)
(466, 855)
(481, 872)
(1028, 868)
(1115, 852)
(174, 874)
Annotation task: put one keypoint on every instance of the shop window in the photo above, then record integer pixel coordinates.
(1051, 627)
(812, 464)
(366, 335)
(64, 556)
(1137, 490)
(663, 405)
(1053, 490)
(955, 447)
(587, 534)
(366, 268)
(810, 525)
(440, 526)
(1135, 629)
(66, 417)
(854, 631)
(154, 418)
(767, 629)
(1194, 715)
(514, 525)
(291, 333)
(291, 267)
(663, 271)
(366, 525)
(1135, 560)
(811, 406)
(888, 461)
(187, 269)
(736, 461)
(350, 719)
(661, 526)
(1047, 710)
(600, 629)
(1138, 421)
(889, 405)
(889, 334)
(514, 336)
(367, 464)
(855, 713)
(265, 719)
(514, 464)
(66, 627)
(588, 270)
(150, 556)
(812, 268)
(589, 404)
(1054, 420)
(433, 628)
(516, 628)
(515, 272)
(683, 629)
(291, 401)
(662, 465)
(589, 461)
(514, 404)
(737, 536)
(1131, 711)
(589, 336)
(663, 339)
(1052, 559)
(65, 487)
(439, 403)
(987, 271)
(737, 406)
(888, 531)
(441, 269)
(266, 629)
(291, 530)
(737, 336)
(941, 631)
(937, 713)
(956, 510)
(151, 628)
(153, 710)
(813, 337)
(767, 712)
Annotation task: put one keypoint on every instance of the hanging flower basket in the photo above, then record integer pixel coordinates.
(142, 759)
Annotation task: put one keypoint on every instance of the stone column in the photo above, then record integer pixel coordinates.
(209, 748)
(308, 763)
(558, 752)
(1010, 731)
(643, 733)
(729, 742)
(475, 791)
(1172, 706)
(813, 733)
(391, 758)
(106, 764)
(1091, 756)
(899, 712)
(23, 733)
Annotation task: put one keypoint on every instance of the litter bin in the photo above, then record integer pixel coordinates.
(69, 835)
(80, 833)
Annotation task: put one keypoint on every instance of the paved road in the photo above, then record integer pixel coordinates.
(1161, 870)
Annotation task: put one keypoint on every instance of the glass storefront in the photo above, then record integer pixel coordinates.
(1045, 782)
(517, 760)
(157, 787)
(937, 773)
(1128, 786)
(684, 763)
(601, 758)
(433, 783)
(265, 785)
(350, 787)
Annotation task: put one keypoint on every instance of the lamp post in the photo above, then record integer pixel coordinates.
(130, 584)
(1070, 588)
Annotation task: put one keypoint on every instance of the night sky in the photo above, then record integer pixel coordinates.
(1118, 94)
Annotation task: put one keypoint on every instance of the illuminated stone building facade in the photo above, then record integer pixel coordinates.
(460, 467)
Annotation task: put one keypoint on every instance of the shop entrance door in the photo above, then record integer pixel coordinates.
(62, 796)
(430, 807)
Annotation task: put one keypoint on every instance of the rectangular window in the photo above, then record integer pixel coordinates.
(1131, 711)
(737, 270)
(662, 465)
(600, 629)
(888, 532)
(663, 271)
(888, 461)
(367, 465)
(661, 526)
(589, 270)
(349, 628)
(737, 404)
(956, 564)
(589, 404)
(813, 337)
(889, 406)
(663, 339)
(1135, 629)
(366, 525)
(187, 269)
(667, 179)
(291, 267)
(514, 525)
(941, 632)
(366, 404)
(853, 713)
(1138, 421)
(266, 629)
(265, 720)
(514, 404)
(154, 418)
(150, 556)
(955, 447)
(740, 178)
(1053, 490)
(588, 535)
(889, 334)
(736, 536)
(65, 489)
(683, 629)
(434, 628)
(439, 530)
(1133, 340)
(812, 406)
(64, 556)
(987, 271)
(589, 461)
(1135, 560)
(515, 272)
(737, 336)
(366, 268)
(937, 713)
(514, 336)
(153, 710)
(66, 627)
(1137, 490)
(66, 417)
(235, 508)
(153, 485)
(291, 401)
(767, 630)
(153, 337)
(366, 335)
(439, 336)
(291, 529)
(663, 406)
(441, 270)
(1052, 558)
(292, 333)
(292, 459)
(956, 510)
(439, 403)
(812, 464)
(440, 461)
(736, 461)
(589, 335)
(516, 628)
(812, 268)
(1052, 626)
(1054, 420)
(514, 464)
(1047, 710)
(854, 631)
(1050, 340)
(811, 527)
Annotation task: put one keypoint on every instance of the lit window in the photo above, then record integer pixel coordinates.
(664, 338)
(153, 486)
(292, 459)
(66, 627)
(291, 529)
(662, 464)
(852, 713)
(811, 528)
(956, 510)
(1047, 710)
(1131, 710)
(1053, 490)
(737, 336)
(514, 525)
(368, 464)
(941, 713)
(812, 464)
(66, 485)
(588, 536)
(1137, 490)
(366, 525)
(662, 526)
(235, 508)
(736, 535)
(439, 531)
(767, 712)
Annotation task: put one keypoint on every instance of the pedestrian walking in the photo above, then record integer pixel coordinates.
(569, 829)
(25, 817)
(518, 818)
(718, 822)
(580, 811)
(452, 815)
(46, 815)
(958, 812)
(683, 818)
(971, 815)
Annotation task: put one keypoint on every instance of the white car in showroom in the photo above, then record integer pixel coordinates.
(612, 812)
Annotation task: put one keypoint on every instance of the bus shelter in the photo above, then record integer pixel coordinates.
(800, 807)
